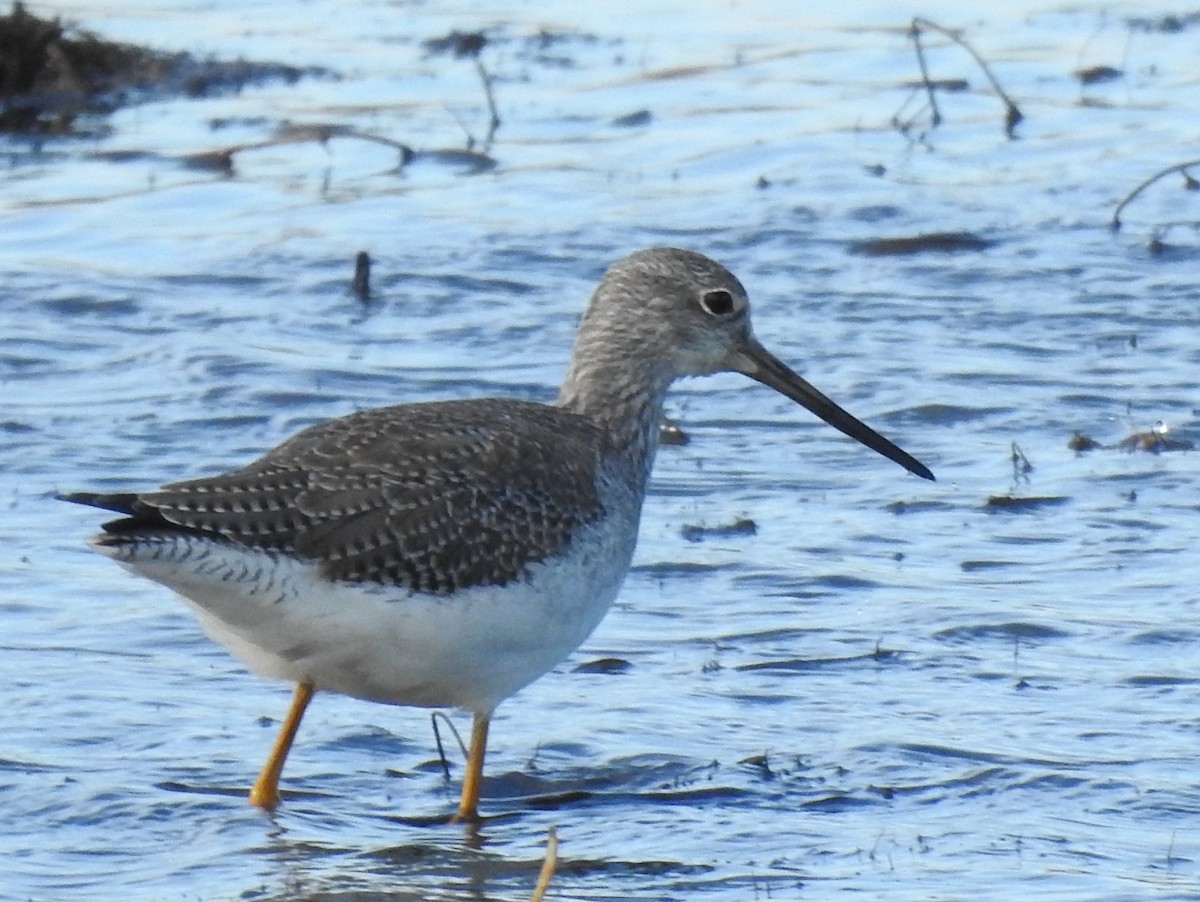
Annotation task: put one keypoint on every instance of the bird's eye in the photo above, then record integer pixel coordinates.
(717, 302)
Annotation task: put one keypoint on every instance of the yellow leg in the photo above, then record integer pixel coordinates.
(468, 803)
(265, 792)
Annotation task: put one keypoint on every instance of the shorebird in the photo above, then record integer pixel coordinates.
(448, 553)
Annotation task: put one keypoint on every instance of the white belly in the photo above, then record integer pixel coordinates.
(471, 649)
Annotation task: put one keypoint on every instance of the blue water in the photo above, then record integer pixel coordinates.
(890, 690)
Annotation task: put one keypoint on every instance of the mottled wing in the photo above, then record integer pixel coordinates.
(433, 497)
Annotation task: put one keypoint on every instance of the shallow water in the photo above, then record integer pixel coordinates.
(889, 689)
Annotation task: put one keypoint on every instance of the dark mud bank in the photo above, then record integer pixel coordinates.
(56, 79)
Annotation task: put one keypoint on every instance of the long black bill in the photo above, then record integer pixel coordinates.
(761, 365)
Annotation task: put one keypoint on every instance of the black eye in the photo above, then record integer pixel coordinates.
(717, 302)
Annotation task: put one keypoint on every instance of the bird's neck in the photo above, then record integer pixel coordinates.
(623, 394)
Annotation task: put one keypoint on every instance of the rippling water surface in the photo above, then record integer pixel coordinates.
(890, 688)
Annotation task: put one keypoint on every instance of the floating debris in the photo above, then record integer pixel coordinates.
(1080, 442)
(937, 242)
(1155, 441)
(1096, 75)
(603, 665)
(218, 161)
(1017, 631)
(760, 763)
(801, 665)
(360, 285)
(736, 528)
(463, 44)
(1031, 502)
(905, 507)
(977, 566)
(670, 433)
(948, 85)
(634, 120)
(471, 161)
(1168, 24)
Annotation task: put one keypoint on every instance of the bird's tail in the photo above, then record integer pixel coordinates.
(119, 502)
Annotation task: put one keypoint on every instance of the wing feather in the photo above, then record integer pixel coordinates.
(433, 497)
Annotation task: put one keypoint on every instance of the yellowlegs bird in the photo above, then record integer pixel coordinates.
(446, 554)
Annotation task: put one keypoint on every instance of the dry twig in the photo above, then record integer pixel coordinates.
(1189, 183)
(1012, 115)
(548, 864)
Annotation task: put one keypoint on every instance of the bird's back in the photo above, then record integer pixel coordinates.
(433, 497)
